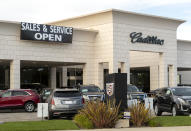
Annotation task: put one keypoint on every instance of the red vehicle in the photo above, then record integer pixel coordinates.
(20, 98)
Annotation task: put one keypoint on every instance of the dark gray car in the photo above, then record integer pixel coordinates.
(91, 92)
(134, 93)
(64, 102)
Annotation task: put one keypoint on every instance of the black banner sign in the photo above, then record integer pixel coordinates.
(50, 33)
(137, 37)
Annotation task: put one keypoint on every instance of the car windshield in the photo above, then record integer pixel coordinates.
(181, 91)
(133, 89)
(47, 92)
(90, 89)
(67, 94)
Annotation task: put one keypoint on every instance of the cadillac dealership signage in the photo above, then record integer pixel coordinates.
(138, 38)
(41, 32)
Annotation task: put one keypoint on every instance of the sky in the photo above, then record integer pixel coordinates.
(43, 11)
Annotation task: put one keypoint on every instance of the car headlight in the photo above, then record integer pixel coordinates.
(182, 101)
(85, 97)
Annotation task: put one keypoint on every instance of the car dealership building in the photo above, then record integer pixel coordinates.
(143, 46)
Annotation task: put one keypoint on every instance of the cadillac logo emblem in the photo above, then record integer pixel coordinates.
(109, 89)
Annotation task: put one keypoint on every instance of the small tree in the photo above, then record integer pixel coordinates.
(102, 115)
(140, 116)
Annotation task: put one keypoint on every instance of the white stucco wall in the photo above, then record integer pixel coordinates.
(126, 23)
(184, 60)
(113, 42)
(110, 44)
(184, 53)
(147, 59)
(16, 50)
(103, 46)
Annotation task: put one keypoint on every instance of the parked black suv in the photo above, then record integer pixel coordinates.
(176, 100)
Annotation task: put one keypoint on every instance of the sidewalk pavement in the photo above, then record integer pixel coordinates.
(177, 128)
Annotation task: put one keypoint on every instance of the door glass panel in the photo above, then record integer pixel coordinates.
(140, 77)
(6, 94)
(19, 93)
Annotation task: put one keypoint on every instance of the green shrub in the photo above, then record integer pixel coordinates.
(140, 116)
(82, 121)
(100, 114)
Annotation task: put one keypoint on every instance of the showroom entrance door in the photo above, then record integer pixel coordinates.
(140, 77)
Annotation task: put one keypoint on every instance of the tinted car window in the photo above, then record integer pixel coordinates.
(20, 93)
(6, 94)
(90, 89)
(66, 94)
(181, 91)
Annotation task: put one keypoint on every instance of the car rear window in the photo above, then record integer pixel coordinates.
(66, 93)
(90, 89)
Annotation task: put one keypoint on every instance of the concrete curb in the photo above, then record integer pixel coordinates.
(176, 128)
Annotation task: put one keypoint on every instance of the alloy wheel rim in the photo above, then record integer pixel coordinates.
(30, 107)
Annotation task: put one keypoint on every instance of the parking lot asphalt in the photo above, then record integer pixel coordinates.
(21, 115)
(17, 115)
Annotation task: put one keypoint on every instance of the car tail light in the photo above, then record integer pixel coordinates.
(83, 101)
(52, 102)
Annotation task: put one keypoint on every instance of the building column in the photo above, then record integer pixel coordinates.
(52, 80)
(154, 77)
(88, 74)
(99, 80)
(162, 71)
(64, 77)
(15, 74)
(125, 68)
(172, 75)
(113, 67)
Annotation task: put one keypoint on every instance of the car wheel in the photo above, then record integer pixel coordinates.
(174, 111)
(29, 107)
(157, 111)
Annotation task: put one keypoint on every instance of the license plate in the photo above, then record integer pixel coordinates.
(67, 102)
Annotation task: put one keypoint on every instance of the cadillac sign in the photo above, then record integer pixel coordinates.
(50, 33)
(138, 38)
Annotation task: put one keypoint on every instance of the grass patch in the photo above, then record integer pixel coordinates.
(170, 121)
(39, 125)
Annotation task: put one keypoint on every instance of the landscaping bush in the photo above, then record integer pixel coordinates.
(82, 121)
(140, 116)
(100, 114)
